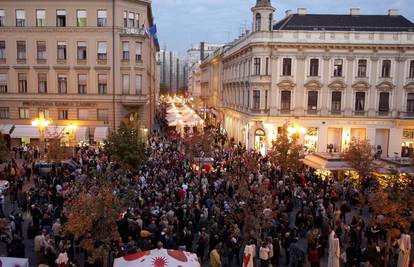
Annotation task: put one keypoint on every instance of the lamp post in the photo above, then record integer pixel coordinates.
(41, 123)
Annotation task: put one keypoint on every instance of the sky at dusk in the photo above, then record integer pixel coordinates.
(183, 22)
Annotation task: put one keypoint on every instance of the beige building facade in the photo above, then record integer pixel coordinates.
(330, 77)
(89, 63)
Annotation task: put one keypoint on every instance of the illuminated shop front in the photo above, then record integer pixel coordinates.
(407, 143)
(311, 139)
(260, 141)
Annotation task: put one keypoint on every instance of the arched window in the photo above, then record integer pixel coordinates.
(259, 141)
(270, 22)
(258, 22)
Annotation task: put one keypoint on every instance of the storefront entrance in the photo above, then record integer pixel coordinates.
(259, 141)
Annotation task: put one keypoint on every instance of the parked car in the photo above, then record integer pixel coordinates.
(43, 168)
(70, 165)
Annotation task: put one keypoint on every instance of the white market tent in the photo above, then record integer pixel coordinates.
(181, 115)
(158, 258)
(14, 262)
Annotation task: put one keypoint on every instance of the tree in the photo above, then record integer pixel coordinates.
(392, 205)
(56, 152)
(92, 217)
(286, 150)
(127, 147)
(359, 156)
(4, 150)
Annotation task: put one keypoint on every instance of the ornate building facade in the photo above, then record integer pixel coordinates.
(84, 63)
(331, 77)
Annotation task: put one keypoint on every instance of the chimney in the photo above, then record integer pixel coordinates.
(354, 11)
(302, 11)
(288, 12)
(392, 12)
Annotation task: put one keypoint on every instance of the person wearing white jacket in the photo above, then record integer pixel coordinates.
(334, 250)
(249, 254)
(404, 244)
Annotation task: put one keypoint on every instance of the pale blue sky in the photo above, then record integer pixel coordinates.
(183, 22)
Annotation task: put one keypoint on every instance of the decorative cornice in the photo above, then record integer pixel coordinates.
(385, 86)
(286, 85)
(61, 67)
(374, 58)
(125, 68)
(4, 67)
(41, 67)
(401, 58)
(102, 68)
(350, 58)
(313, 85)
(82, 67)
(21, 67)
(361, 86)
(337, 85)
(409, 87)
(326, 57)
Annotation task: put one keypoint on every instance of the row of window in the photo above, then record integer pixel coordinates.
(313, 70)
(63, 114)
(62, 51)
(81, 18)
(62, 83)
(131, 19)
(336, 102)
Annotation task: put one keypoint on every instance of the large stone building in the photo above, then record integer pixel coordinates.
(331, 77)
(87, 63)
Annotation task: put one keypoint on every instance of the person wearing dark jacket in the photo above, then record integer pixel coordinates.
(17, 248)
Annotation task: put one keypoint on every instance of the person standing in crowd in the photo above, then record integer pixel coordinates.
(215, 260)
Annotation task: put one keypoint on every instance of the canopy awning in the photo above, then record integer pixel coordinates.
(100, 134)
(27, 131)
(321, 161)
(158, 257)
(6, 128)
(82, 134)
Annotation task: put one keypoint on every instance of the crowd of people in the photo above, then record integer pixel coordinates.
(240, 209)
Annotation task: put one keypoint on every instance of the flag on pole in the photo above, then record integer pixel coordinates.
(153, 32)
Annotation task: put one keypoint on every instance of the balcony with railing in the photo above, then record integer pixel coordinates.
(313, 112)
(134, 32)
(406, 114)
(336, 113)
(360, 113)
(134, 100)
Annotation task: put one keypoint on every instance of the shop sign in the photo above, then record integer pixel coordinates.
(57, 104)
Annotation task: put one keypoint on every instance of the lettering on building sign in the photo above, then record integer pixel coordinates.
(57, 104)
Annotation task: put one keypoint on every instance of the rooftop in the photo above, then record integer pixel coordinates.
(321, 22)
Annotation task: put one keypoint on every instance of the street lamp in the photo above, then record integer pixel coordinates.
(70, 130)
(41, 123)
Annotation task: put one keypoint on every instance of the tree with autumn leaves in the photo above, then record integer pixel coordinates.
(56, 151)
(4, 150)
(92, 214)
(286, 150)
(359, 156)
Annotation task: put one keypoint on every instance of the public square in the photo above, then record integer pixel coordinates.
(188, 133)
